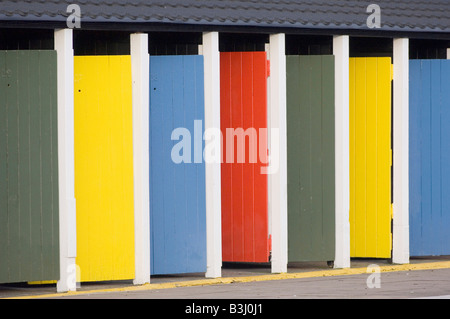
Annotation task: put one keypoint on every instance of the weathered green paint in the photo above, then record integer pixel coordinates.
(311, 162)
(29, 221)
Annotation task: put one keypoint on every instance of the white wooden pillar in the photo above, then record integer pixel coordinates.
(140, 66)
(400, 253)
(210, 50)
(66, 160)
(277, 172)
(448, 54)
(342, 150)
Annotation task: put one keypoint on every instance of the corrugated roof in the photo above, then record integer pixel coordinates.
(398, 15)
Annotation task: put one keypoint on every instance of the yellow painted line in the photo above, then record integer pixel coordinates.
(230, 280)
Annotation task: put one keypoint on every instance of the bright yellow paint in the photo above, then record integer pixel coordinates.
(104, 168)
(370, 157)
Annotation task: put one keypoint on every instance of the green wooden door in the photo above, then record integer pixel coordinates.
(311, 161)
(29, 224)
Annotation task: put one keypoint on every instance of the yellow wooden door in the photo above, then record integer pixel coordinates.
(104, 168)
(370, 157)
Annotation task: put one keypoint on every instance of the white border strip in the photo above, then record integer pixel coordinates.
(210, 51)
(400, 250)
(278, 178)
(342, 150)
(66, 160)
(140, 65)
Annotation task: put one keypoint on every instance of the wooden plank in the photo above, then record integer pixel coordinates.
(157, 168)
(104, 168)
(237, 169)
(373, 156)
(13, 170)
(294, 152)
(328, 159)
(195, 196)
(50, 238)
(429, 154)
(445, 157)
(4, 218)
(316, 151)
(415, 176)
(370, 157)
(226, 170)
(384, 129)
(244, 188)
(426, 152)
(259, 121)
(25, 163)
(434, 238)
(248, 108)
(311, 158)
(305, 161)
(176, 226)
(31, 238)
(178, 209)
(360, 158)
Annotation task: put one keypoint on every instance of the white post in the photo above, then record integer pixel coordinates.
(66, 161)
(342, 151)
(213, 170)
(140, 66)
(277, 174)
(400, 250)
(448, 54)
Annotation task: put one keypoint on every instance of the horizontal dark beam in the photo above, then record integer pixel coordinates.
(165, 27)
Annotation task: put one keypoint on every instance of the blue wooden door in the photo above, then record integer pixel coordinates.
(177, 169)
(429, 157)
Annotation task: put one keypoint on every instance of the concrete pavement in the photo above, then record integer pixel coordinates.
(422, 278)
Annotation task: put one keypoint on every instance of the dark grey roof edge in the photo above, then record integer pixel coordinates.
(45, 19)
(398, 15)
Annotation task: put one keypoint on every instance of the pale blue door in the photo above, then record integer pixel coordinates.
(429, 157)
(177, 189)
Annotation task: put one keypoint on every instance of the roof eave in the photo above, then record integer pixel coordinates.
(131, 25)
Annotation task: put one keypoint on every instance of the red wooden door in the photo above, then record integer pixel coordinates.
(245, 234)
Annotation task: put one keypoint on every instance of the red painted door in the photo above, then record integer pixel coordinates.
(245, 231)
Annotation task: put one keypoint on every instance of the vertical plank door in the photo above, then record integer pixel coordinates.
(311, 164)
(429, 157)
(245, 233)
(177, 168)
(104, 168)
(370, 157)
(29, 211)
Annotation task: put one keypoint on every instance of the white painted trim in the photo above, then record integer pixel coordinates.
(341, 52)
(66, 160)
(277, 178)
(213, 170)
(269, 184)
(448, 54)
(400, 250)
(140, 65)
